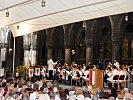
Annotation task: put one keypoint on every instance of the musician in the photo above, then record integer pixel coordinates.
(69, 75)
(43, 72)
(107, 75)
(63, 75)
(51, 65)
(31, 73)
(17, 73)
(116, 64)
(114, 72)
(37, 73)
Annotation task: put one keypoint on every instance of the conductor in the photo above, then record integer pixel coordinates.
(51, 65)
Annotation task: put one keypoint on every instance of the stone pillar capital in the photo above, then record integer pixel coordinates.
(49, 46)
(33, 47)
(68, 46)
(26, 47)
(116, 40)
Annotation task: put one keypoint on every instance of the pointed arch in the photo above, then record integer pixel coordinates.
(102, 40)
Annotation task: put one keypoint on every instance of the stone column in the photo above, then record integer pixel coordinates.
(49, 43)
(26, 54)
(116, 25)
(89, 31)
(30, 49)
(68, 56)
(33, 55)
(26, 46)
(116, 50)
(89, 51)
(68, 43)
(33, 49)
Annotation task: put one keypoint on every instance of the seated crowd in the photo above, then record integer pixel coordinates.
(46, 90)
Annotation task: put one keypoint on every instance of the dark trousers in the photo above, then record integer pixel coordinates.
(105, 78)
(51, 74)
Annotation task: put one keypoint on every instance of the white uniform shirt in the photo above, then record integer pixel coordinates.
(43, 72)
(80, 97)
(116, 64)
(33, 96)
(114, 72)
(121, 72)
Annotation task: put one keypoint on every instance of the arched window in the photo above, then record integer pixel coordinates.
(127, 44)
(103, 46)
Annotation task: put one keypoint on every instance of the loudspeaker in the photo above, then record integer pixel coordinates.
(3, 64)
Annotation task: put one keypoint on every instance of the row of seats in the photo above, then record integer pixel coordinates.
(119, 79)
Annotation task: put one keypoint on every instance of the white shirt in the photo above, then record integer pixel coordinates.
(80, 73)
(87, 98)
(51, 64)
(43, 97)
(116, 64)
(72, 96)
(43, 72)
(110, 74)
(57, 97)
(80, 97)
(37, 71)
(33, 96)
(114, 72)
(74, 75)
(67, 74)
(86, 72)
(121, 72)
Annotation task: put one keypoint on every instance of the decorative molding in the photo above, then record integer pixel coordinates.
(26, 47)
(3, 45)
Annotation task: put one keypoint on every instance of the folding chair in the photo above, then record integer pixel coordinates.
(122, 80)
(115, 80)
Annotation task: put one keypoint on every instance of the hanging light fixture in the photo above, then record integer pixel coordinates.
(83, 24)
(7, 13)
(43, 3)
(18, 27)
(126, 17)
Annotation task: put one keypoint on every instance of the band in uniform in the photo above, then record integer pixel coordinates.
(43, 72)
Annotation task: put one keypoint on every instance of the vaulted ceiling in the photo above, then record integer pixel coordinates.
(30, 16)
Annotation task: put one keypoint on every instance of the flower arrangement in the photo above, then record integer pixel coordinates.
(22, 71)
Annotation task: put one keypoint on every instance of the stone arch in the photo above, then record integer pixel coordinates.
(41, 48)
(116, 25)
(98, 25)
(102, 36)
(127, 40)
(70, 33)
(58, 44)
(80, 45)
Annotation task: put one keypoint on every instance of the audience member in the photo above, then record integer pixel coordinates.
(113, 93)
